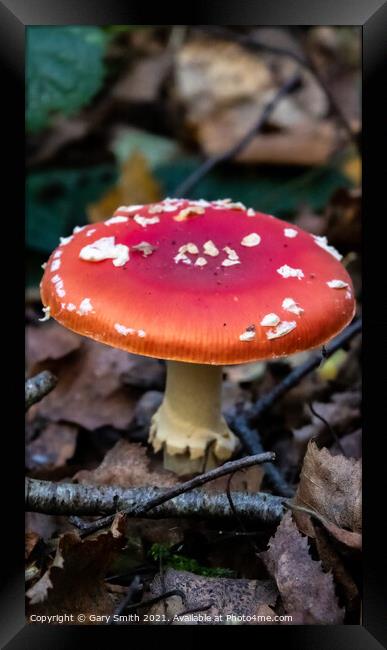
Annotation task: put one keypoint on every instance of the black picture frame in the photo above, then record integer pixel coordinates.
(371, 15)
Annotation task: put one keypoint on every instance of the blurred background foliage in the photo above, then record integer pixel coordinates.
(124, 113)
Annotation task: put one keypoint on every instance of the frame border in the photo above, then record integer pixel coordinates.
(15, 16)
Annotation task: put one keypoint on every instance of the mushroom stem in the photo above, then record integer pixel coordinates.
(190, 419)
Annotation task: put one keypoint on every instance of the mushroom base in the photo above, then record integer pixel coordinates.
(189, 425)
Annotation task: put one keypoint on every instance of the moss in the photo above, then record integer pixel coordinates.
(183, 563)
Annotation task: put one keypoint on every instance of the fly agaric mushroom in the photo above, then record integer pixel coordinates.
(199, 284)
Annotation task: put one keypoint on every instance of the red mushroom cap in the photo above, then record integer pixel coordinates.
(199, 282)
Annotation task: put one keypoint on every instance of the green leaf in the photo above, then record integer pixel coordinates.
(64, 71)
(281, 191)
(57, 200)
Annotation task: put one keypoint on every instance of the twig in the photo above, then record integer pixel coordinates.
(198, 481)
(294, 377)
(193, 179)
(90, 500)
(37, 387)
(180, 489)
(133, 590)
(252, 442)
(329, 427)
(156, 599)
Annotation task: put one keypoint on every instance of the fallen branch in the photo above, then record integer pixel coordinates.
(37, 387)
(251, 441)
(294, 377)
(88, 500)
(193, 179)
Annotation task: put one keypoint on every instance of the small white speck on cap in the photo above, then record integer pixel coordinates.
(288, 272)
(156, 209)
(90, 232)
(210, 249)
(117, 219)
(145, 221)
(186, 213)
(290, 232)
(270, 320)
(182, 257)
(323, 243)
(145, 248)
(251, 240)
(232, 255)
(337, 284)
(78, 229)
(71, 306)
(348, 295)
(290, 305)
(189, 248)
(43, 266)
(57, 254)
(65, 240)
(55, 265)
(105, 249)
(229, 262)
(55, 279)
(121, 329)
(248, 334)
(201, 261)
(129, 208)
(85, 307)
(141, 333)
(283, 328)
(60, 292)
(251, 212)
(46, 311)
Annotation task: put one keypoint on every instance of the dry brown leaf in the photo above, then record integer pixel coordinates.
(90, 389)
(53, 448)
(74, 583)
(311, 144)
(331, 561)
(331, 487)
(135, 186)
(206, 74)
(127, 465)
(307, 592)
(143, 81)
(49, 341)
(31, 540)
(341, 416)
(229, 596)
(351, 443)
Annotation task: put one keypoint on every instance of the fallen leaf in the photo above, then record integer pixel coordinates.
(127, 465)
(331, 487)
(146, 407)
(309, 144)
(90, 390)
(31, 540)
(341, 416)
(74, 583)
(308, 594)
(142, 82)
(229, 596)
(49, 341)
(135, 186)
(54, 446)
(351, 443)
(331, 561)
